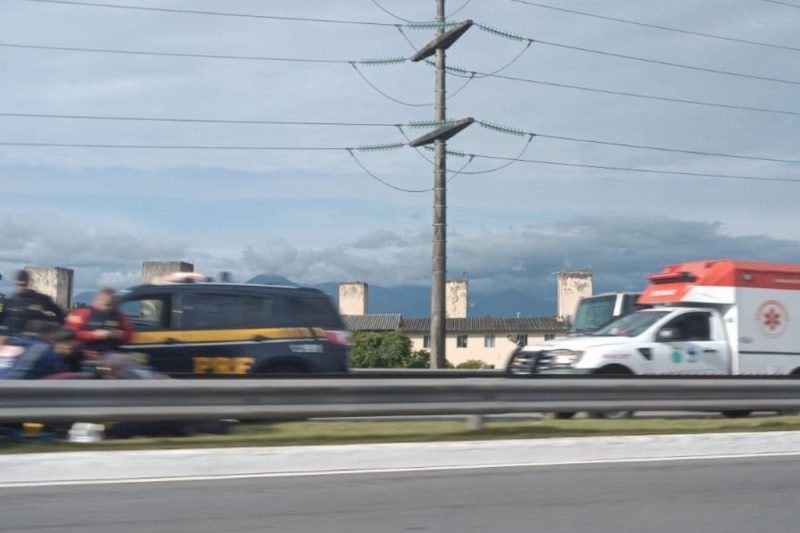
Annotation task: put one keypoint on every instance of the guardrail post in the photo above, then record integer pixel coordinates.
(474, 422)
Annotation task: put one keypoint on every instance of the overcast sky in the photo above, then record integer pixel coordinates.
(316, 216)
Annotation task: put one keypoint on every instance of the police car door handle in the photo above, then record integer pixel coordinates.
(171, 341)
(710, 350)
(259, 338)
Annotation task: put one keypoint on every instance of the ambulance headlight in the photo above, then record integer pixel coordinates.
(565, 357)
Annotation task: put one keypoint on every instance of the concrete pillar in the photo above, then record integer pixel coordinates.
(353, 298)
(153, 270)
(56, 282)
(572, 286)
(457, 298)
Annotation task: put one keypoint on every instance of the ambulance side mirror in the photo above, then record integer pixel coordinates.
(666, 335)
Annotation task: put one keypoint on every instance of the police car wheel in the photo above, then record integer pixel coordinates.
(736, 414)
(283, 368)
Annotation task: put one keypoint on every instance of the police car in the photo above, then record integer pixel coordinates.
(188, 326)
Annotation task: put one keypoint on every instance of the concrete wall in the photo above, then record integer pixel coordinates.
(353, 298)
(153, 270)
(572, 286)
(55, 282)
(497, 356)
(457, 298)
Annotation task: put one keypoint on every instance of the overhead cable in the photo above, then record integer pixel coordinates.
(195, 120)
(530, 40)
(659, 27)
(213, 13)
(639, 170)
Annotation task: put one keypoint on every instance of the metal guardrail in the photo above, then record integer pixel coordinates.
(305, 398)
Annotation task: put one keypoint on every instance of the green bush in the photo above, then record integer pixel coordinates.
(422, 359)
(475, 364)
(389, 349)
(380, 350)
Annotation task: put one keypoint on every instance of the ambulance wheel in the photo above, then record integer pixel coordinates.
(610, 415)
(560, 416)
(736, 414)
(611, 371)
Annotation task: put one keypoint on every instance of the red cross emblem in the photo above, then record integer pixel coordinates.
(772, 318)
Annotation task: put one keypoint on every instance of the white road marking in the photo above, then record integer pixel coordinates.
(368, 471)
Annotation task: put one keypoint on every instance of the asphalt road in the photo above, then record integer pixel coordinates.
(726, 496)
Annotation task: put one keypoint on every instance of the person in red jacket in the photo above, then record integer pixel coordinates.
(100, 328)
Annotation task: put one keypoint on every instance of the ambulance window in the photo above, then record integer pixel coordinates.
(692, 327)
(148, 313)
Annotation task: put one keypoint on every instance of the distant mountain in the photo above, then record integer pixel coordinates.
(415, 301)
(84, 298)
(271, 279)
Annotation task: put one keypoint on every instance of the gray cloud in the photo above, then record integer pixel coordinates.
(380, 239)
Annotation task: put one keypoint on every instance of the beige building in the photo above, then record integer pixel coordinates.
(487, 339)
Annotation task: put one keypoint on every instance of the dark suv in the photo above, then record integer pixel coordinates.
(195, 329)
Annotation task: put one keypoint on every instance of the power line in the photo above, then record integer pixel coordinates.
(515, 37)
(175, 147)
(396, 100)
(403, 189)
(796, 6)
(658, 27)
(390, 13)
(409, 21)
(196, 120)
(399, 126)
(517, 132)
(631, 94)
(392, 147)
(640, 170)
(471, 74)
(458, 10)
(214, 13)
(169, 54)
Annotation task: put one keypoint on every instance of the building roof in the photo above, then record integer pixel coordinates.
(490, 324)
(484, 324)
(373, 322)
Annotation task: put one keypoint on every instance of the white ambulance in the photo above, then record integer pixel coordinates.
(707, 317)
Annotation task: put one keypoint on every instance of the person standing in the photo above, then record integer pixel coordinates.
(27, 305)
(100, 328)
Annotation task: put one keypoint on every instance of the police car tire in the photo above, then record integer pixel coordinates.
(736, 414)
(283, 368)
(559, 416)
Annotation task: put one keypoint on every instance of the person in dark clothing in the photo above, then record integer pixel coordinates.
(100, 328)
(27, 305)
(41, 350)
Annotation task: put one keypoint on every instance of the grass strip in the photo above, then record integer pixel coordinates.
(382, 431)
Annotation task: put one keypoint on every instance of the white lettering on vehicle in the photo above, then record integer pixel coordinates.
(665, 292)
(306, 348)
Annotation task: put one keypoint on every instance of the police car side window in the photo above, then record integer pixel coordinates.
(151, 313)
(226, 311)
(310, 311)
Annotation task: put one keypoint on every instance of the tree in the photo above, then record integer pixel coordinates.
(389, 349)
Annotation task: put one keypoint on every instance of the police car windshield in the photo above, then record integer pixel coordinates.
(631, 325)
